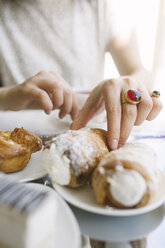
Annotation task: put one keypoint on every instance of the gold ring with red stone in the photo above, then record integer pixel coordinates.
(155, 93)
(131, 96)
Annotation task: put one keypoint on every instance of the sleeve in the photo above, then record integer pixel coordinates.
(119, 18)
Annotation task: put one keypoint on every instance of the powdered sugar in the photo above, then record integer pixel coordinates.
(66, 153)
(77, 145)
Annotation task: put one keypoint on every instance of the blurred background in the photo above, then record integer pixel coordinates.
(148, 19)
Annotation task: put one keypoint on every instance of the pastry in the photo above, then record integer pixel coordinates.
(127, 177)
(71, 157)
(16, 148)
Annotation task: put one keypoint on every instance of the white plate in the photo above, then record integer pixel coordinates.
(32, 171)
(67, 232)
(44, 125)
(84, 198)
(121, 229)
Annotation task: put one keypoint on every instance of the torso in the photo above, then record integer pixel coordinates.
(64, 36)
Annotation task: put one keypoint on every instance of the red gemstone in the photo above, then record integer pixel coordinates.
(134, 95)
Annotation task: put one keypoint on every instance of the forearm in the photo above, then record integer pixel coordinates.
(47, 91)
(125, 53)
(13, 98)
(4, 98)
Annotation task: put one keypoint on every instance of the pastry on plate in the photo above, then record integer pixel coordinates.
(16, 148)
(71, 157)
(127, 177)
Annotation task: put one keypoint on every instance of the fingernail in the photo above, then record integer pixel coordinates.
(62, 115)
(74, 127)
(48, 112)
(114, 144)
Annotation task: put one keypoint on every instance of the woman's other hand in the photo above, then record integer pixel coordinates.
(46, 90)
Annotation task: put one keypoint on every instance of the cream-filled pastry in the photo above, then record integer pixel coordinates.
(71, 157)
(127, 177)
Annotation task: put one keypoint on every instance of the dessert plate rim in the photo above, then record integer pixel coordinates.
(84, 199)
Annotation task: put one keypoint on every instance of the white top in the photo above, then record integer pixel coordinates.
(66, 36)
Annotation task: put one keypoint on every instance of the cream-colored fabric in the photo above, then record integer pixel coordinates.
(66, 36)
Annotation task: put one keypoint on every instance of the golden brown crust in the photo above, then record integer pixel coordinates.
(100, 187)
(14, 164)
(26, 138)
(135, 156)
(16, 148)
(8, 148)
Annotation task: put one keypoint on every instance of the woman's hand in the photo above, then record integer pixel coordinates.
(46, 90)
(120, 117)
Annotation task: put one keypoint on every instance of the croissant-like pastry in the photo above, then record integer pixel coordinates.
(71, 157)
(16, 148)
(127, 177)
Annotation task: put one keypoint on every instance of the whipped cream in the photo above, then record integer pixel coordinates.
(72, 147)
(127, 187)
(57, 166)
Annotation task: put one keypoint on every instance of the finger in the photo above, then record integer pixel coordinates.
(61, 97)
(144, 107)
(89, 109)
(113, 109)
(129, 113)
(156, 108)
(58, 78)
(41, 97)
(57, 97)
(54, 90)
(75, 108)
(67, 105)
(49, 85)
